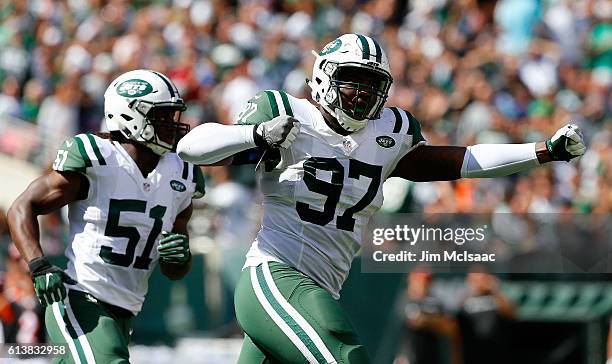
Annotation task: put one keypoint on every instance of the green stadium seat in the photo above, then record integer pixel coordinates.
(536, 294)
(561, 298)
(603, 306)
(588, 293)
(514, 291)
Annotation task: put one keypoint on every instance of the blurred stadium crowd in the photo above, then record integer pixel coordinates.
(472, 71)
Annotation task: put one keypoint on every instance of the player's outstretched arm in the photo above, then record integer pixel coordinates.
(211, 142)
(46, 194)
(173, 248)
(444, 163)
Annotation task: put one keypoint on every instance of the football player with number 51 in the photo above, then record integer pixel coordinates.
(125, 190)
(325, 165)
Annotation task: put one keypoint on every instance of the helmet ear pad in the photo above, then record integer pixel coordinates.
(331, 96)
(148, 132)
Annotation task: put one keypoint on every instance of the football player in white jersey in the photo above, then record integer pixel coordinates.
(125, 190)
(322, 180)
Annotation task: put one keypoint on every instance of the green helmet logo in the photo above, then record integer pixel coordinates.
(331, 47)
(134, 88)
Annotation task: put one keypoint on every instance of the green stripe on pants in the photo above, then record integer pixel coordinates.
(107, 335)
(293, 325)
(55, 319)
(267, 343)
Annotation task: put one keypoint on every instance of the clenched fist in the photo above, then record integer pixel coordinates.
(279, 132)
(567, 143)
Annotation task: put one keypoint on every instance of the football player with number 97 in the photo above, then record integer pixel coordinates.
(129, 199)
(324, 167)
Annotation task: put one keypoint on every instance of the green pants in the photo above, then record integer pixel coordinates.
(288, 318)
(94, 332)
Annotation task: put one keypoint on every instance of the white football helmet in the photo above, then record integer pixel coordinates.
(145, 106)
(333, 66)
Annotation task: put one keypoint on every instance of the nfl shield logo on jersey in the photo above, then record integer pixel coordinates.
(146, 187)
(347, 146)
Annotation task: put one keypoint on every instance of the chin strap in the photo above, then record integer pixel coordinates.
(157, 148)
(348, 123)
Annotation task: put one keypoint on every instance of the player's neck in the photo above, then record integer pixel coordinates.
(332, 123)
(145, 159)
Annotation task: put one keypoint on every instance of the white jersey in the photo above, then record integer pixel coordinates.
(319, 198)
(114, 230)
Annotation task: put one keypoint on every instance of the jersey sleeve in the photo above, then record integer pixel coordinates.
(190, 175)
(265, 106)
(414, 129)
(72, 157)
(198, 179)
(406, 126)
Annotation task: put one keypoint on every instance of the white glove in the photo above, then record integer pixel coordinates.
(279, 132)
(567, 143)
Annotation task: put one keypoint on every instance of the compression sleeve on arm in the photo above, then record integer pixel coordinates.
(212, 142)
(496, 160)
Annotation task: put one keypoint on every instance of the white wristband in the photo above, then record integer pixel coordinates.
(496, 160)
(212, 142)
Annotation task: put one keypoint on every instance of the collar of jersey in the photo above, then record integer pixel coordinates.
(126, 162)
(357, 138)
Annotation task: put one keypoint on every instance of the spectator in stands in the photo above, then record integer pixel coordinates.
(22, 317)
(9, 102)
(427, 324)
(465, 69)
(483, 319)
(33, 95)
(58, 118)
(233, 202)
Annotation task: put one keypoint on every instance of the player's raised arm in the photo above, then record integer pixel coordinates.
(444, 163)
(259, 125)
